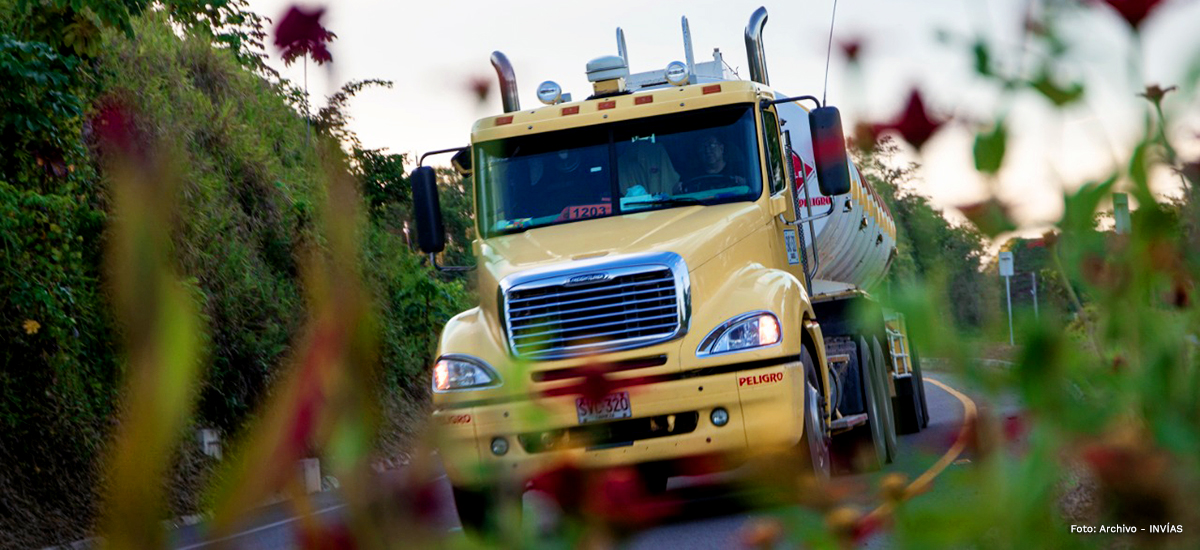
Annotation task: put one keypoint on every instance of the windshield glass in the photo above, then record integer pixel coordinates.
(700, 157)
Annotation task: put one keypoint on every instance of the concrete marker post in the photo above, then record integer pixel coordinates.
(1006, 271)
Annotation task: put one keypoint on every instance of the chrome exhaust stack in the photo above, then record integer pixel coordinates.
(754, 46)
(621, 51)
(508, 82)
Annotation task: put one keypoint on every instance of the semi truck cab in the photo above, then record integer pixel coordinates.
(650, 282)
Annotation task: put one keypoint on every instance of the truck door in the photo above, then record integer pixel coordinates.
(791, 258)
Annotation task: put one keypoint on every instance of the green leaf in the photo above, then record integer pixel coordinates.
(989, 148)
(983, 58)
(1058, 95)
(1137, 166)
(1079, 207)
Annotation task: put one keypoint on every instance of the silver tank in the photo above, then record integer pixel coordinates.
(855, 245)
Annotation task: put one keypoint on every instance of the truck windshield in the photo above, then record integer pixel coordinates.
(696, 158)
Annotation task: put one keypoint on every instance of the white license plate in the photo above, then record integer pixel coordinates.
(609, 407)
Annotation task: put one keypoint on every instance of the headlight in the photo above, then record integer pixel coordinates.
(746, 331)
(462, 372)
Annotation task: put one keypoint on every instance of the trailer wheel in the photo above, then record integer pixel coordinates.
(909, 402)
(915, 356)
(882, 374)
(870, 444)
(817, 458)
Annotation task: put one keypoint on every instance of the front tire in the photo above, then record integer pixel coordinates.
(474, 508)
(816, 437)
(481, 510)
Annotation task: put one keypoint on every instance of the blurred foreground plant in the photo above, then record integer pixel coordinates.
(1110, 386)
(1117, 404)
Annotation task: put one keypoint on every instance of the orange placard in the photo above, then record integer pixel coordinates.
(583, 211)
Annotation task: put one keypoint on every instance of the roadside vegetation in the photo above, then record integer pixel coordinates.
(178, 86)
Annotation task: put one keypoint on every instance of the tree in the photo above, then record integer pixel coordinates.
(929, 247)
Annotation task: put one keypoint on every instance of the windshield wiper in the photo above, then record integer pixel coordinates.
(667, 201)
(511, 230)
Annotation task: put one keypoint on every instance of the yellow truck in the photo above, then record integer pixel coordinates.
(659, 280)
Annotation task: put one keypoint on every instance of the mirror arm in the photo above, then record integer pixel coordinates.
(808, 275)
(421, 161)
(769, 102)
(813, 217)
(433, 257)
(448, 268)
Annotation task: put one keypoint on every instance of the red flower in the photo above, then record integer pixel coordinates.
(1014, 428)
(1155, 93)
(991, 217)
(914, 123)
(334, 536)
(851, 48)
(299, 32)
(867, 526)
(114, 130)
(1191, 171)
(1132, 11)
(480, 86)
(619, 496)
(1034, 26)
(595, 384)
(564, 483)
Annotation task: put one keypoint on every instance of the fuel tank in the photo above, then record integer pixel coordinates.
(856, 243)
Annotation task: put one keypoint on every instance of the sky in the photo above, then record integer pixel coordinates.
(432, 50)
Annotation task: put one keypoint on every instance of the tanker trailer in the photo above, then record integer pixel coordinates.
(847, 253)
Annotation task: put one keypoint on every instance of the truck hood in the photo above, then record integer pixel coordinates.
(697, 233)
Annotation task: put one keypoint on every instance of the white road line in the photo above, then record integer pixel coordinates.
(259, 528)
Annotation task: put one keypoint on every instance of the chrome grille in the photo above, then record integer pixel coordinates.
(621, 307)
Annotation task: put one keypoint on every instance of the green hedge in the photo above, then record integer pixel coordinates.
(250, 184)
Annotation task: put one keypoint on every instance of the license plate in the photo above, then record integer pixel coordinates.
(609, 407)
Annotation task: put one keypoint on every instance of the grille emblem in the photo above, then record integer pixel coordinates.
(587, 279)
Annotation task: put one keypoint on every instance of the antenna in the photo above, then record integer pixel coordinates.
(828, 53)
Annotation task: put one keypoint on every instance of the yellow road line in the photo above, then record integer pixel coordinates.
(960, 443)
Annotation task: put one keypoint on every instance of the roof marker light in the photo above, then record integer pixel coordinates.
(642, 100)
(715, 88)
(549, 92)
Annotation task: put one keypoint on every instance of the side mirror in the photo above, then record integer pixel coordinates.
(829, 151)
(431, 233)
(462, 162)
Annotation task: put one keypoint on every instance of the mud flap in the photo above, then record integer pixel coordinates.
(907, 404)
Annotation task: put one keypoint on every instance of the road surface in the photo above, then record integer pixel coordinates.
(712, 518)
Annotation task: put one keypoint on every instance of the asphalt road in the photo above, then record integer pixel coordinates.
(714, 517)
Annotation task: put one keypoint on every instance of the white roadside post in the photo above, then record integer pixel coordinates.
(1121, 221)
(1006, 271)
(1033, 277)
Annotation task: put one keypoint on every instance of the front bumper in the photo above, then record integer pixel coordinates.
(765, 406)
